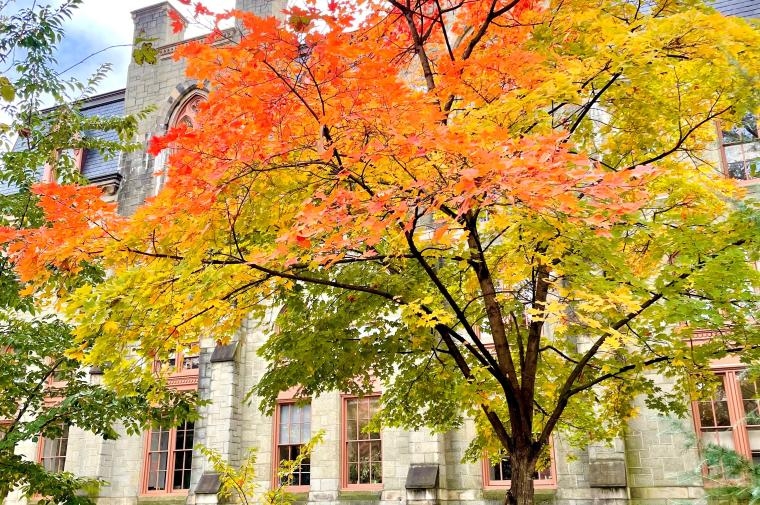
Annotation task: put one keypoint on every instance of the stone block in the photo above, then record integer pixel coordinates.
(422, 477)
(209, 483)
(607, 473)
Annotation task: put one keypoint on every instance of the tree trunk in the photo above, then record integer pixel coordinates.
(521, 488)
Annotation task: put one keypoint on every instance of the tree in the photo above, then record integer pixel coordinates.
(498, 209)
(43, 390)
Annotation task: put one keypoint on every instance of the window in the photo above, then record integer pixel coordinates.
(183, 114)
(49, 170)
(362, 454)
(731, 418)
(293, 431)
(52, 451)
(168, 459)
(183, 368)
(499, 474)
(183, 363)
(740, 149)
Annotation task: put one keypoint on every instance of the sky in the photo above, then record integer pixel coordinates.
(100, 24)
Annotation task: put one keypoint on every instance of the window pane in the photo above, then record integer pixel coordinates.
(751, 402)
(353, 452)
(190, 363)
(353, 473)
(157, 466)
(706, 417)
(351, 409)
(293, 431)
(183, 456)
(363, 448)
(53, 457)
(376, 473)
(721, 414)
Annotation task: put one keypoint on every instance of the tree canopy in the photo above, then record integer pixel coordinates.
(498, 209)
(43, 390)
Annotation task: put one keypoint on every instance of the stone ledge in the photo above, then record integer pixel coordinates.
(659, 493)
(359, 495)
(162, 500)
(498, 494)
(298, 497)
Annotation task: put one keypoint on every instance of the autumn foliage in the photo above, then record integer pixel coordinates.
(501, 209)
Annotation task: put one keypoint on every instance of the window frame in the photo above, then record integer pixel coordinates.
(735, 405)
(184, 111)
(344, 481)
(41, 450)
(723, 156)
(170, 464)
(180, 378)
(49, 174)
(293, 488)
(539, 483)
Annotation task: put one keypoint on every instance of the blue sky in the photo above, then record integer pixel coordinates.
(99, 24)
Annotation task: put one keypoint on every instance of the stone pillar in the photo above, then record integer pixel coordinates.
(325, 460)
(607, 474)
(87, 454)
(217, 426)
(149, 86)
(262, 8)
(419, 470)
(153, 22)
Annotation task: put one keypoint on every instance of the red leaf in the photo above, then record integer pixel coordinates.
(178, 24)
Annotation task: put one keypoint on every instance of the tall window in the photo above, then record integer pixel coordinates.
(184, 114)
(731, 418)
(52, 451)
(168, 459)
(293, 431)
(363, 460)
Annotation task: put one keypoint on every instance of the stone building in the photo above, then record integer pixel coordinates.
(653, 463)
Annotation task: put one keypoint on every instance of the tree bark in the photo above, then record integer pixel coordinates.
(523, 465)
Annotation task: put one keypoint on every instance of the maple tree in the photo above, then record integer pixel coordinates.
(42, 390)
(499, 209)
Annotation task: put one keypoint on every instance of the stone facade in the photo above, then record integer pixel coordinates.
(652, 464)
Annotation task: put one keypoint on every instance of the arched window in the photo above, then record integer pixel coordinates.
(184, 113)
(187, 110)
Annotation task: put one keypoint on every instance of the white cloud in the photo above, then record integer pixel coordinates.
(99, 24)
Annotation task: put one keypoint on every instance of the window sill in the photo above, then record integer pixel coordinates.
(297, 490)
(361, 493)
(497, 492)
(178, 498)
(298, 496)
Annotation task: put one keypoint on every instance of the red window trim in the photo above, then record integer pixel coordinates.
(41, 448)
(550, 483)
(145, 470)
(734, 399)
(49, 173)
(724, 159)
(344, 484)
(180, 379)
(288, 398)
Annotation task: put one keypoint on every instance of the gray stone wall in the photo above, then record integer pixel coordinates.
(261, 7)
(652, 459)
